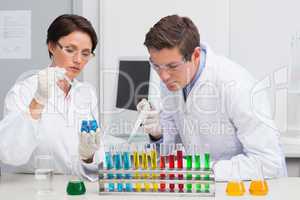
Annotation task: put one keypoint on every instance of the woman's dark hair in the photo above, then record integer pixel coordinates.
(174, 31)
(65, 24)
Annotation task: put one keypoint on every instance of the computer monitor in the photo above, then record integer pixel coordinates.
(133, 82)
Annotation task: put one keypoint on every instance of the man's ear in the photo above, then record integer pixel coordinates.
(197, 52)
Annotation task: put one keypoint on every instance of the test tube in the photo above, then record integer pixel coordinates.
(101, 177)
(179, 157)
(197, 166)
(153, 157)
(118, 166)
(189, 160)
(207, 164)
(127, 165)
(109, 165)
(162, 166)
(171, 159)
(145, 166)
(136, 165)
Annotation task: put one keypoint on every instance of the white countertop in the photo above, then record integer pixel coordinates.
(22, 187)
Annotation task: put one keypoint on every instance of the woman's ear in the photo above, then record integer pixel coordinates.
(51, 47)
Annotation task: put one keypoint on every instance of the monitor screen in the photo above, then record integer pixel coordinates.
(133, 83)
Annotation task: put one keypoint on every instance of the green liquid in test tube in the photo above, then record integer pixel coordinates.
(189, 161)
(189, 165)
(197, 167)
(206, 165)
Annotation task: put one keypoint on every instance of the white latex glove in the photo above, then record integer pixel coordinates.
(151, 121)
(47, 78)
(89, 143)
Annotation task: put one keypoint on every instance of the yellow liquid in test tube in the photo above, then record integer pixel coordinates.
(136, 163)
(235, 188)
(145, 166)
(153, 156)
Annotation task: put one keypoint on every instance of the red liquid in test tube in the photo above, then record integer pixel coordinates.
(179, 157)
(162, 165)
(171, 166)
(171, 176)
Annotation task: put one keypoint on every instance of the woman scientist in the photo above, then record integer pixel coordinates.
(43, 113)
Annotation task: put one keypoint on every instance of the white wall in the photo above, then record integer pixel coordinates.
(123, 25)
(254, 33)
(260, 33)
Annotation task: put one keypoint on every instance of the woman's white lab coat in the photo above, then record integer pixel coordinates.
(56, 133)
(225, 111)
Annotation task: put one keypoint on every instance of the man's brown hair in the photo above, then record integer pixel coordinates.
(174, 31)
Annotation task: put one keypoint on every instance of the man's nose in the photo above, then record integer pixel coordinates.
(164, 75)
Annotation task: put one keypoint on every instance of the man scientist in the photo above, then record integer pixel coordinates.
(206, 100)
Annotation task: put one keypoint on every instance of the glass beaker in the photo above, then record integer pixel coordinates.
(75, 185)
(44, 170)
(235, 187)
(258, 185)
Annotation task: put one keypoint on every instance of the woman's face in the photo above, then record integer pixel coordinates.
(72, 52)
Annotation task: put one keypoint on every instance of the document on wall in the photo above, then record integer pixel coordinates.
(15, 34)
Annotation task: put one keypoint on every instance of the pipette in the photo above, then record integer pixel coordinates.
(141, 117)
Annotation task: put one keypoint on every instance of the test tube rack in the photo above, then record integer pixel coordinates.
(206, 180)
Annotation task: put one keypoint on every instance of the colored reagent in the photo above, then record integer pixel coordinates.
(171, 167)
(118, 165)
(136, 163)
(189, 161)
(235, 188)
(207, 167)
(127, 165)
(145, 166)
(76, 187)
(153, 156)
(258, 188)
(180, 166)
(197, 167)
(109, 165)
(162, 165)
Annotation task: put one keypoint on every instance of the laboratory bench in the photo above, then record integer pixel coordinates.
(22, 187)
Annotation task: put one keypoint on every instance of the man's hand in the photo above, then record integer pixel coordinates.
(151, 121)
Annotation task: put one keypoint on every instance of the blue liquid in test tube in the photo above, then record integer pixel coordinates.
(109, 165)
(127, 165)
(118, 165)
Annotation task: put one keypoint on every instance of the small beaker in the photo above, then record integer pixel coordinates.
(75, 185)
(235, 186)
(44, 170)
(258, 185)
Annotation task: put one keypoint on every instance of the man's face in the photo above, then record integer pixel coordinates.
(171, 67)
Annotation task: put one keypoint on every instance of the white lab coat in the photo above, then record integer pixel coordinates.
(56, 133)
(219, 111)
